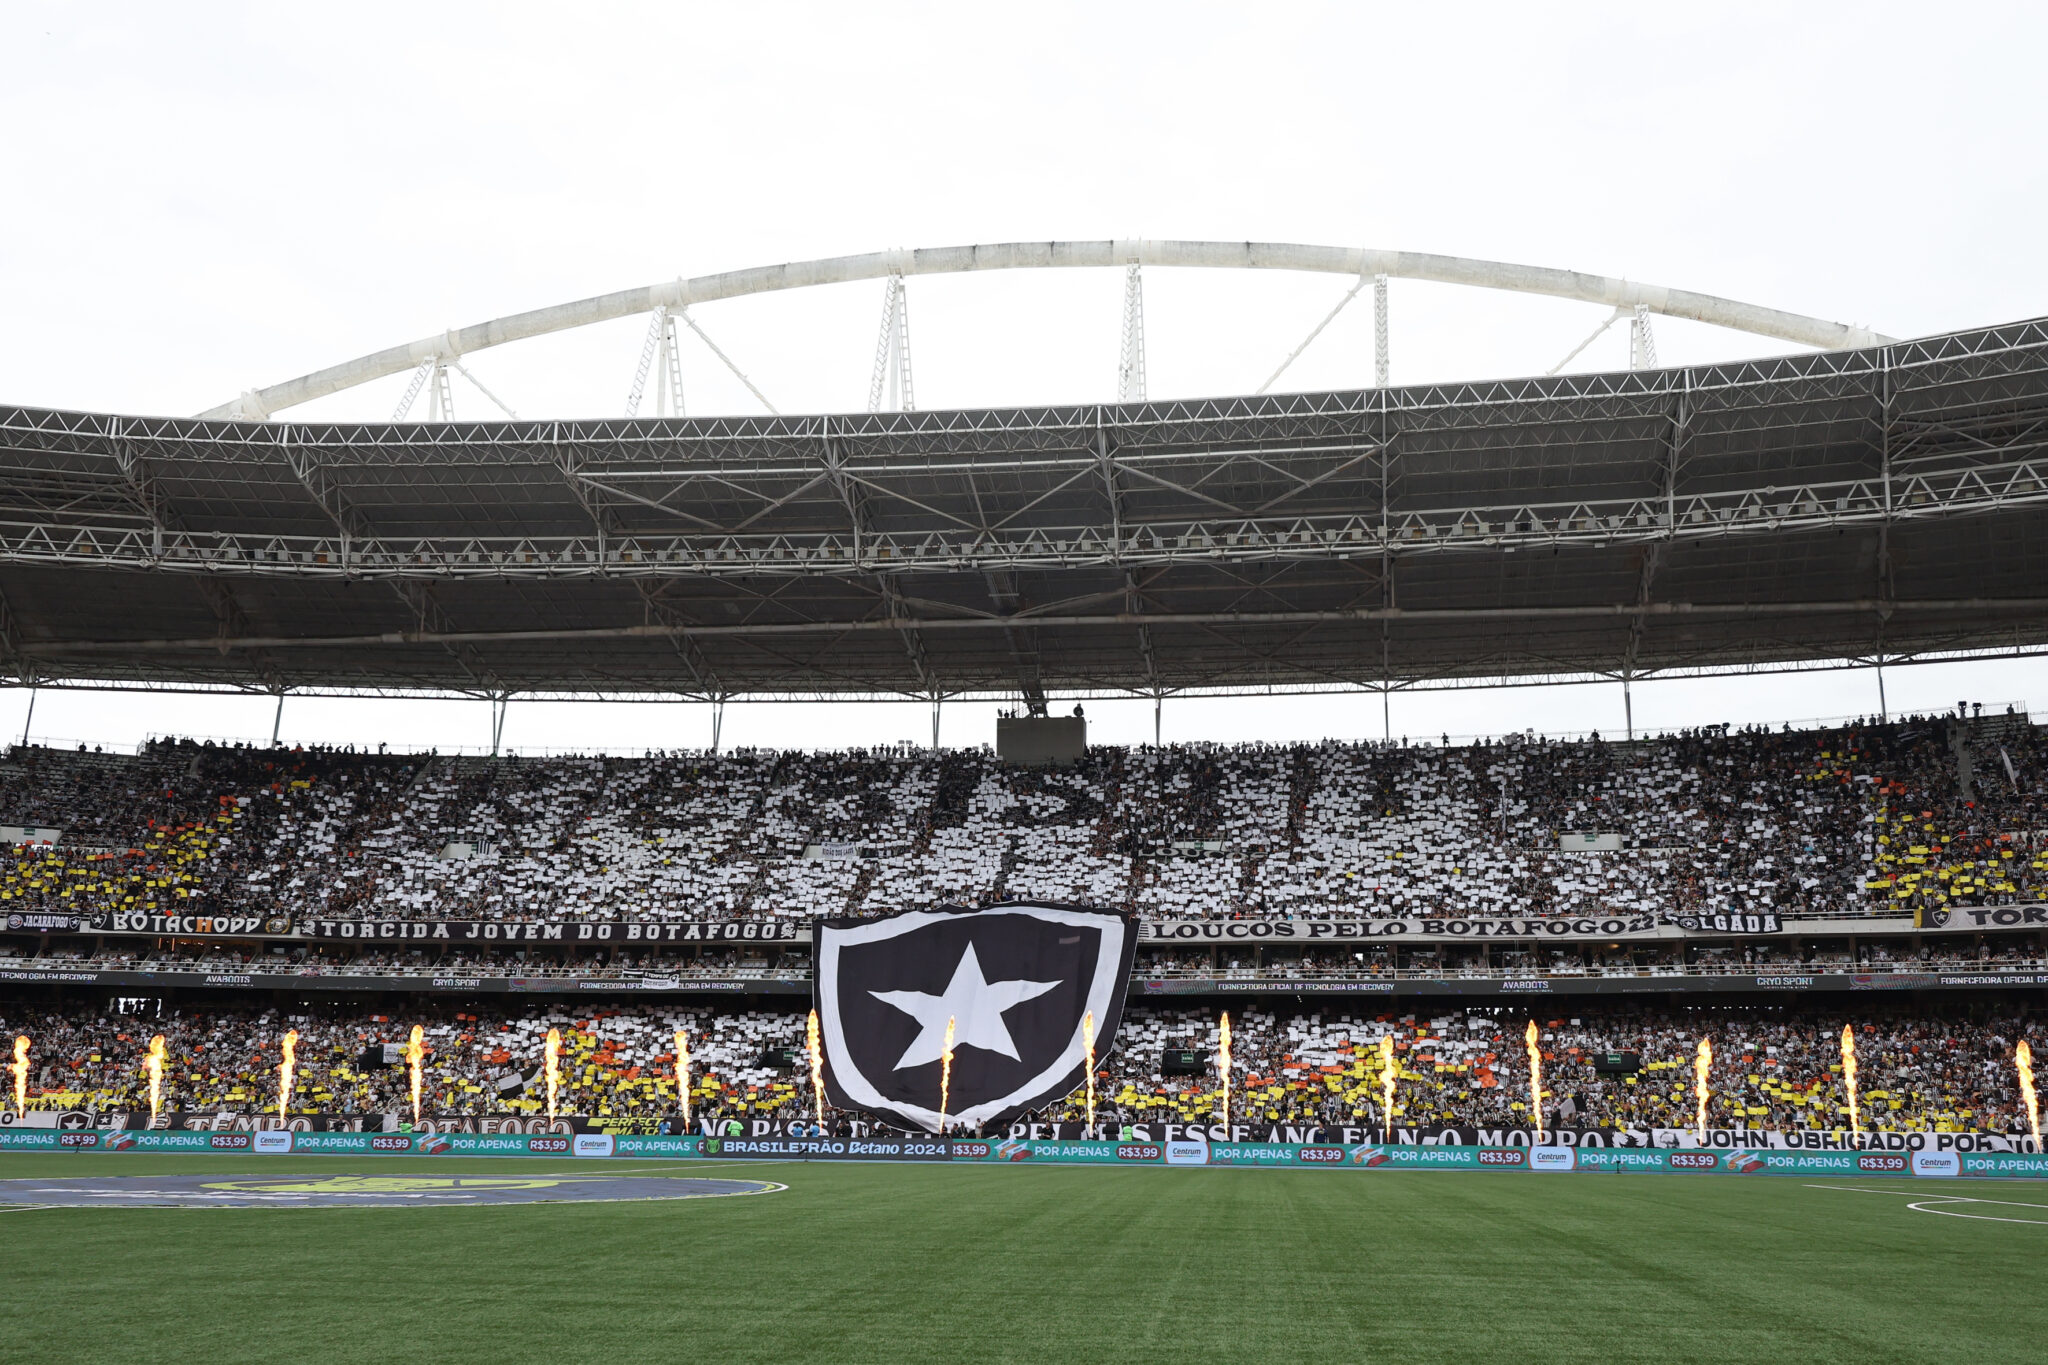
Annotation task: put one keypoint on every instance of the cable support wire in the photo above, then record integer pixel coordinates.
(1616, 316)
(1315, 332)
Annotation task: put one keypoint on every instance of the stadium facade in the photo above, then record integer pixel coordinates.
(1865, 506)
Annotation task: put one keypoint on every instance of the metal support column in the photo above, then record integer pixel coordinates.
(892, 352)
(1642, 345)
(1158, 705)
(1628, 708)
(936, 701)
(440, 394)
(661, 359)
(1130, 368)
(277, 718)
(30, 718)
(717, 721)
(1379, 331)
(500, 703)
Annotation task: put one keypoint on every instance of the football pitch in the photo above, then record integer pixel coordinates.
(1010, 1263)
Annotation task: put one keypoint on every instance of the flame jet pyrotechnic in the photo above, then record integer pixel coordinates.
(153, 1067)
(415, 1053)
(1388, 1075)
(1535, 1076)
(286, 1071)
(1088, 1041)
(817, 1068)
(682, 1071)
(1223, 1068)
(20, 1069)
(1702, 1069)
(946, 1076)
(1849, 1076)
(551, 1059)
(2022, 1060)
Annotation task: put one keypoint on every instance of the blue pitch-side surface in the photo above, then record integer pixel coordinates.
(359, 1191)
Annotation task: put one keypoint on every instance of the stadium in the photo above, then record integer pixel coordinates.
(384, 996)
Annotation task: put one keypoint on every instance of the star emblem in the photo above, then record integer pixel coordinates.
(973, 1003)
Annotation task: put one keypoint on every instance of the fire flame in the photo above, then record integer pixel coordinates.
(285, 1072)
(20, 1070)
(1223, 1067)
(415, 1053)
(1849, 1076)
(817, 1068)
(682, 1068)
(1388, 1074)
(2023, 1058)
(1535, 1076)
(153, 1067)
(946, 1075)
(553, 1061)
(1088, 1041)
(1702, 1069)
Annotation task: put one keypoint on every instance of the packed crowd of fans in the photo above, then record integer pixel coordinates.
(1923, 814)
(1771, 1069)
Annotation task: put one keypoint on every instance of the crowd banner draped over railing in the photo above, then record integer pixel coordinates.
(1454, 929)
(556, 931)
(1637, 927)
(188, 926)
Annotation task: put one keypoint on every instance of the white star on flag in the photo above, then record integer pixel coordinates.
(974, 1004)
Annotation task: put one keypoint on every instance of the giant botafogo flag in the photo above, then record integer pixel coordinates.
(1017, 981)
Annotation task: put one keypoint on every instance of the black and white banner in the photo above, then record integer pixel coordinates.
(551, 931)
(1455, 929)
(1980, 919)
(1010, 988)
(189, 926)
(1764, 922)
(35, 923)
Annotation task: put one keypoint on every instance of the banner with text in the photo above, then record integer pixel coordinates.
(1587, 928)
(556, 931)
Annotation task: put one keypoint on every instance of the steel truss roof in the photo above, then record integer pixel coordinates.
(1872, 503)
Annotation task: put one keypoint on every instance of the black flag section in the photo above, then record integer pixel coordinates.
(1015, 981)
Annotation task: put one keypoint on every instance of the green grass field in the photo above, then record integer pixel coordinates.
(959, 1263)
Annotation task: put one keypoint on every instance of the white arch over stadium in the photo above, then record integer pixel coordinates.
(1363, 262)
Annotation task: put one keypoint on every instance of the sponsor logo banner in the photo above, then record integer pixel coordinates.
(830, 1149)
(1184, 1151)
(556, 931)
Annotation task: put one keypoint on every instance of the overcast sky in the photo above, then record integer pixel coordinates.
(205, 198)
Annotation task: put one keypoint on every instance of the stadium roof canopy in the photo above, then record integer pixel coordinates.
(1878, 503)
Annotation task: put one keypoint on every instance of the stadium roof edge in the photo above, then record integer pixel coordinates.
(1873, 504)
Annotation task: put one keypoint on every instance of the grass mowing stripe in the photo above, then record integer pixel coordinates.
(917, 1263)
